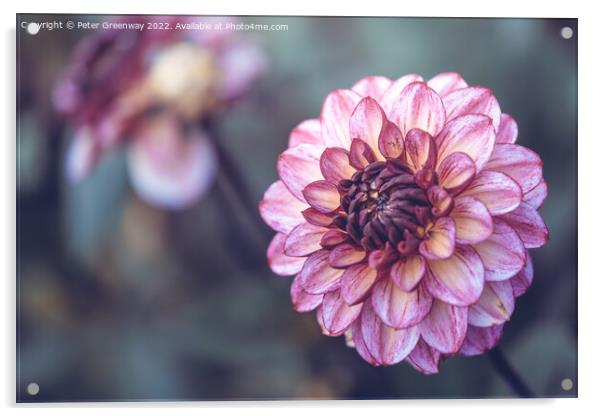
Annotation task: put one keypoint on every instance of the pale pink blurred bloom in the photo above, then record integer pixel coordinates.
(406, 212)
(119, 80)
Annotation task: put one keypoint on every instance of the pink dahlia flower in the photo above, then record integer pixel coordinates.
(151, 90)
(405, 213)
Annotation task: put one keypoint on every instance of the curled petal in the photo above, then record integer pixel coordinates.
(366, 123)
(446, 82)
(387, 345)
(473, 222)
(334, 164)
(372, 86)
(280, 209)
(495, 305)
(322, 195)
(507, 132)
(332, 238)
(407, 272)
(337, 315)
(537, 195)
(356, 282)
(303, 301)
(473, 100)
(522, 281)
(345, 255)
(456, 171)
(419, 107)
(303, 240)
(499, 192)
(397, 308)
(421, 151)
(444, 328)
(457, 280)
(360, 154)
(440, 200)
(315, 217)
(390, 141)
(472, 134)
(316, 276)
(518, 162)
(424, 358)
(478, 340)
(279, 262)
(503, 253)
(440, 241)
(393, 92)
(335, 116)
(299, 166)
(529, 225)
(307, 132)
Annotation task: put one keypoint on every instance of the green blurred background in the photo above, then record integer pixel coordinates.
(118, 300)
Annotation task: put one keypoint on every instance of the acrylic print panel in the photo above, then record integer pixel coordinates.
(226, 208)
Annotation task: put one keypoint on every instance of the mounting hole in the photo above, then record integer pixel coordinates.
(33, 28)
(566, 384)
(33, 389)
(566, 32)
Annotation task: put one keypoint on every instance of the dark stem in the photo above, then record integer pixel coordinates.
(505, 370)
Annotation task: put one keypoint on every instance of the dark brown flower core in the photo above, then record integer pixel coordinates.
(385, 203)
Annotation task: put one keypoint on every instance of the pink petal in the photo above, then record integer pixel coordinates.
(494, 307)
(360, 344)
(360, 154)
(518, 162)
(503, 253)
(299, 166)
(472, 134)
(303, 301)
(444, 327)
(322, 195)
(529, 225)
(356, 282)
(170, 170)
(537, 195)
(441, 201)
(507, 132)
(241, 63)
(315, 217)
(345, 255)
(440, 240)
(335, 116)
(337, 315)
(390, 141)
(497, 191)
(408, 272)
(456, 171)
(372, 86)
(82, 156)
(473, 100)
(279, 262)
(308, 132)
(303, 240)
(334, 164)
(366, 123)
(457, 280)
(478, 340)
(419, 107)
(522, 281)
(446, 82)
(397, 308)
(332, 238)
(387, 345)
(391, 95)
(473, 222)
(420, 150)
(280, 209)
(424, 358)
(316, 276)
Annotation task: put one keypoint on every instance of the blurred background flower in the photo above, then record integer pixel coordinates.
(119, 299)
(153, 90)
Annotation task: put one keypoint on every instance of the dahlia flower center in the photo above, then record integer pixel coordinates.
(383, 203)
